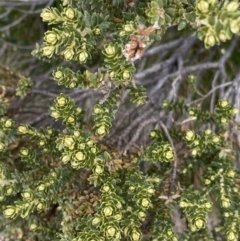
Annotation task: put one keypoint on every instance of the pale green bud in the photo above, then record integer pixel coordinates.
(232, 6)
(98, 170)
(199, 223)
(47, 15)
(169, 155)
(222, 36)
(234, 26)
(231, 173)
(9, 212)
(189, 136)
(70, 119)
(22, 129)
(68, 141)
(145, 203)
(55, 114)
(234, 111)
(225, 203)
(126, 75)
(9, 190)
(48, 51)
(101, 130)
(41, 187)
(207, 182)
(129, 28)
(215, 139)
(108, 211)
(210, 40)
(135, 235)
(33, 227)
(8, 123)
(232, 236)
(61, 101)
(66, 159)
(111, 231)
(203, 6)
(207, 132)
(96, 221)
(68, 54)
(183, 204)
(51, 37)
(80, 156)
(83, 56)
(141, 215)
(110, 50)
(70, 13)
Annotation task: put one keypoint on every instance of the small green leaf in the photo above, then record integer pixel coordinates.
(182, 25)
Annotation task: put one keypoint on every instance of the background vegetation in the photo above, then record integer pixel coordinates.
(119, 120)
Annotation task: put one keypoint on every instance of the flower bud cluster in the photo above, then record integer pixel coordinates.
(121, 74)
(196, 208)
(160, 151)
(104, 113)
(66, 109)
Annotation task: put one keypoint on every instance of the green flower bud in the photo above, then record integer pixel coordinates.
(110, 50)
(24, 152)
(41, 143)
(231, 174)
(169, 155)
(135, 235)
(66, 159)
(216, 139)
(223, 120)
(141, 215)
(80, 156)
(199, 223)
(41, 187)
(51, 37)
(93, 150)
(118, 216)
(210, 40)
(68, 141)
(23, 129)
(76, 133)
(96, 221)
(101, 131)
(222, 36)
(108, 211)
(150, 190)
(70, 13)
(224, 103)
(126, 75)
(144, 202)
(203, 6)
(61, 101)
(129, 28)
(234, 111)
(9, 190)
(111, 231)
(58, 74)
(189, 136)
(8, 123)
(47, 15)
(106, 188)
(40, 206)
(191, 113)
(98, 170)
(207, 132)
(225, 203)
(55, 114)
(208, 205)
(234, 26)
(183, 204)
(112, 74)
(70, 120)
(232, 6)
(28, 195)
(33, 227)
(9, 212)
(97, 31)
(83, 55)
(207, 182)
(232, 236)
(48, 51)
(68, 53)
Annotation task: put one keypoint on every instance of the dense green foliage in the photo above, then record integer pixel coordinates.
(145, 139)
